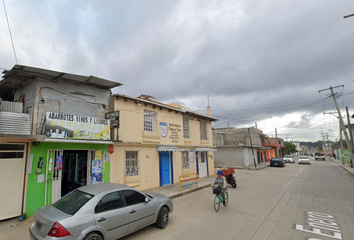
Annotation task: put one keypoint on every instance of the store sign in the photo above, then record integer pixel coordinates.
(191, 156)
(113, 117)
(63, 125)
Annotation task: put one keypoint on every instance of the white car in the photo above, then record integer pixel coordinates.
(304, 160)
(288, 158)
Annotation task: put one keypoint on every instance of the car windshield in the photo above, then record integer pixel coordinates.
(319, 154)
(287, 156)
(72, 202)
(304, 158)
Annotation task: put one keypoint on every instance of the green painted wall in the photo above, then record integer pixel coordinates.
(346, 155)
(35, 191)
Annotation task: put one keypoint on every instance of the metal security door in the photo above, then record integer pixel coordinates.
(53, 177)
(12, 172)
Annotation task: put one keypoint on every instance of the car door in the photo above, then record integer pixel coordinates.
(141, 213)
(111, 216)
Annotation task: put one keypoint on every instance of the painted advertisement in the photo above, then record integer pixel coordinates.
(163, 129)
(62, 125)
(97, 168)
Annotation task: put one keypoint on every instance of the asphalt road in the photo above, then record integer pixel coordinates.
(296, 202)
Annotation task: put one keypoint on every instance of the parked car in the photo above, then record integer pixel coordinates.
(289, 158)
(304, 160)
(100, 211)
(320, 156)
(277, 162)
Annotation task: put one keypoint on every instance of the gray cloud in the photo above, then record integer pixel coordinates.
(255, 60)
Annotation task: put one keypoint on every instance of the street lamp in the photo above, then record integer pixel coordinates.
(350, 15)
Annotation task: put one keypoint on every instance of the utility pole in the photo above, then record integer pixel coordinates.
(254, 160)
(276, 136)
(341, 156)
(327, 144)
(349, 127)
(350, 144)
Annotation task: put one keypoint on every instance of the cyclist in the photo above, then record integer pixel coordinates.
(221, 181)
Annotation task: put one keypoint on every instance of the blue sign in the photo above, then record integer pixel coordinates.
(163, 129)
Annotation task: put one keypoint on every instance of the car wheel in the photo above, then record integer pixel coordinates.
(162, 218)
(93, 236)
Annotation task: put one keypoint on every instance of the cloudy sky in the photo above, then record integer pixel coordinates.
(259, 61)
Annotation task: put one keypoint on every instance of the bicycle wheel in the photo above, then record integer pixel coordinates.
(226, 194)
(216, 203)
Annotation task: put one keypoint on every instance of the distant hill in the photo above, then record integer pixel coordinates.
(308, 144)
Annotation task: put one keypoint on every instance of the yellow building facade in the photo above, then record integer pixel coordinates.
(155, 143)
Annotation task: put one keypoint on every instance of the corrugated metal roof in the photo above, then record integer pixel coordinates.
(19, 74)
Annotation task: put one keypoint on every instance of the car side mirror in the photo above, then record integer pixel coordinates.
(147, 200)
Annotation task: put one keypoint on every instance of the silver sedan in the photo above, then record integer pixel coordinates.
(100, 211)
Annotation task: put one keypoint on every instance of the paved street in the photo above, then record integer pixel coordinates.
(267, 204)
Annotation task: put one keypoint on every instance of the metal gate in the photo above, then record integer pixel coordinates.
(53, 177)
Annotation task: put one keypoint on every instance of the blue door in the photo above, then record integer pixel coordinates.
(165, 169)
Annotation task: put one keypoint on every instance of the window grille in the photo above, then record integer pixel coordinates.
(149, 121)
(203, 131)
(186, 128)
(185, 160)
(132, 165)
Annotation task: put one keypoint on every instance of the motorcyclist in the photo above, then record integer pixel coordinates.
(221, 182)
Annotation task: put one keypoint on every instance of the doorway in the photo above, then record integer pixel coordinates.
(203, 165)
(165, 172)
(74, 173)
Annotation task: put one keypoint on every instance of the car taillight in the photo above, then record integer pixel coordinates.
(58, 231)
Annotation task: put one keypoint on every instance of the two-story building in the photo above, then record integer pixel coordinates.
(53, 136)
(155, 143)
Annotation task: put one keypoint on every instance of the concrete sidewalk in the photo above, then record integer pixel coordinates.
(345, 167)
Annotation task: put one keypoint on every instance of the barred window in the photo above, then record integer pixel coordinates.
(186, 128)
(149, 121)
(132, 165)
(203, 131)
(185, 160)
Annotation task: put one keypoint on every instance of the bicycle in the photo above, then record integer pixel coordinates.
(219, 199)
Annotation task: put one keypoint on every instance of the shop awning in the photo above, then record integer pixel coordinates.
(205, 149)
(169, 149)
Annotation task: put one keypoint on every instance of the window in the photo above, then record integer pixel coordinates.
(133, 197)
(72, 202)
(203, 131)
(185, 127)
(185, 161)
(131, 163)
(109, 202)
(149, 121)
(202, 157)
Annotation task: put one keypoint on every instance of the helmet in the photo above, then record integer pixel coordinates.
(218, 173)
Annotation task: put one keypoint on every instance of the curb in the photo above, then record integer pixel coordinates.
(347, 170)
(249, 168)
(180, 194)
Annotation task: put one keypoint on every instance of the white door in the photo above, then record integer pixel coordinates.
(12, 172)
(202, 164)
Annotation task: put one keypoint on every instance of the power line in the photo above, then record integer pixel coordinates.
(8, 25)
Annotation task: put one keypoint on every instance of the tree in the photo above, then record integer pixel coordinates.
(289, 148)
(319, 145)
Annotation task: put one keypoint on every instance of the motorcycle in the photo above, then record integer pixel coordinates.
(230, 179)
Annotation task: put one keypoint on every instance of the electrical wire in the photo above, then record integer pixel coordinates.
(8, 25)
